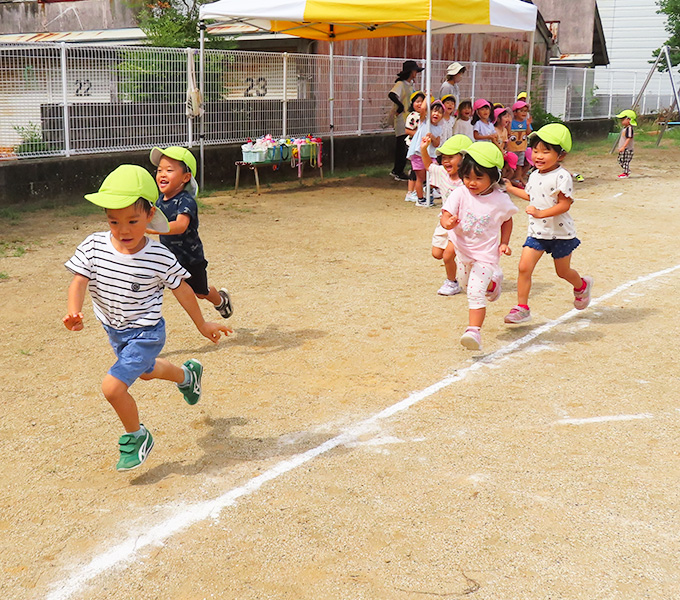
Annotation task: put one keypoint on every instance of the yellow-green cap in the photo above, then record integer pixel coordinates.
(522, 96)
(124, 186)
(182, 155)
(448, 97)
(630, 114)
(486, 154)
(412, 97)
(454, 145)
(554, 133)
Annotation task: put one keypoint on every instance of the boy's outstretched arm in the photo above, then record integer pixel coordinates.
(185, 296)
(76, 296)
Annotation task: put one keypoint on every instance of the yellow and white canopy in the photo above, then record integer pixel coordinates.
(359, 19)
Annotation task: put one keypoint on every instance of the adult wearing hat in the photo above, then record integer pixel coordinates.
(399, 94)
(454, 73)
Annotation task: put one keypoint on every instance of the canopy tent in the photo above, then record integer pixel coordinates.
(332, 20)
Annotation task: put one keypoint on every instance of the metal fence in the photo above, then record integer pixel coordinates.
(66, 99)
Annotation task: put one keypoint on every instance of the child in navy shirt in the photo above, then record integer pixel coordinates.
(175, 177)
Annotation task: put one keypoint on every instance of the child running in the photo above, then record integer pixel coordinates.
(126, 273)
(474, 214)
(412, 122)
(175, 177)
(628, 121)
(483, 128)
(446, 178)
(463, 124)
(551, 228)
(433, 128)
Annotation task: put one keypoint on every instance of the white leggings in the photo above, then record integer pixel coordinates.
(475, 277)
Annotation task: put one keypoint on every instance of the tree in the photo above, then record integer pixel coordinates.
(174, 24)
(670, 8)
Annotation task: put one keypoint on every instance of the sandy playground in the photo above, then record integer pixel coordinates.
(346, 445)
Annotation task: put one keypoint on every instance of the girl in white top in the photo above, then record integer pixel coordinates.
(463, 124)
(475, 215)
(484, 131)
(551, 228)
(445, 177)
(447, 122)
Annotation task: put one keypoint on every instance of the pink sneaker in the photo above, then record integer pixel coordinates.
(582, 298)
(518, 315)
(494, 295)
(624, 176)
(472, 339)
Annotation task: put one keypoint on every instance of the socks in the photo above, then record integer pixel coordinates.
(583, 286)
(524, 306)
(187, 377)
(140, 432)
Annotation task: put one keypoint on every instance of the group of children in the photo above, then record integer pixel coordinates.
(475, 224)
(508, 128)
(126, 273)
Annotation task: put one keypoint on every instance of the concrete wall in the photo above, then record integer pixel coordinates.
(83, 15)
(67, 180)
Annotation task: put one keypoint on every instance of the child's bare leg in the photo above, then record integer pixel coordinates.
(420, 180)
(564, 270)
(477, 317)
(116, 392)
(449, 256)
(527, 264)
(437, 252)
(212, 296)
(164, 369)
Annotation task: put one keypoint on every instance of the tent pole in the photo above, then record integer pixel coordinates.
(531, 63)
(331, 100)
(201, 84)
(428, 88)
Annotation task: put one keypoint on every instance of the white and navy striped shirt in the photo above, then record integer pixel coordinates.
(126, 289)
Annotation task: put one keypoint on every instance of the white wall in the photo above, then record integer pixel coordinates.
(633, 30)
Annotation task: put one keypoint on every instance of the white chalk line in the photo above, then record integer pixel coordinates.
(604, 419)
(125, 552)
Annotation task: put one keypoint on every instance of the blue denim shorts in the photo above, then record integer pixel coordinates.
(558, 248)
(136, 350)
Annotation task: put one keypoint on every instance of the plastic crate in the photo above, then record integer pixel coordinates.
(254, 156)
(279, 153)
(306, 150)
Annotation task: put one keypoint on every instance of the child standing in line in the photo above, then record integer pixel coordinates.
(475, 214)
(175, 177)
(463, 124)
(446, 178)
(126, 272)
(449, 102)
(484, 131)
(433, 128)
(517, 142)
(551, 228)
(628, 121)
(412, 122)
(502, 119)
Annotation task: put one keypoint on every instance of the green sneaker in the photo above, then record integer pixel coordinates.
(134, 450)
(192, 391)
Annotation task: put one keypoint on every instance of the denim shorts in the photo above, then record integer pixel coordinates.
(558, 248)
(136, 350)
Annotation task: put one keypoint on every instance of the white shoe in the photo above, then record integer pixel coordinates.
(410, 197)
(435, 194)
(449, 288)
(472, 339)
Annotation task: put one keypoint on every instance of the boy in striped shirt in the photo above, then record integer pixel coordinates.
(126, 273)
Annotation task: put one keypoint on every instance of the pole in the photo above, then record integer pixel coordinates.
(331, 100)
(201, 85)
(611, 94)
(552, 91)
(474, 79)
(362, 60)
(64, 92)
(670, 74)
(428, 89)
(517, 68)
(583, 94)
(531, 62)
(284, 101)
(190, 120)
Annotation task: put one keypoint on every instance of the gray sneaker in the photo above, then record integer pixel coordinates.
(582, 299)
(226, 309)
(517, 315)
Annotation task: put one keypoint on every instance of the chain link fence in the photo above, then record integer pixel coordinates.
(66, 99)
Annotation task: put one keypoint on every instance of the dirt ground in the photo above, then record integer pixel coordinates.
(546, 467)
